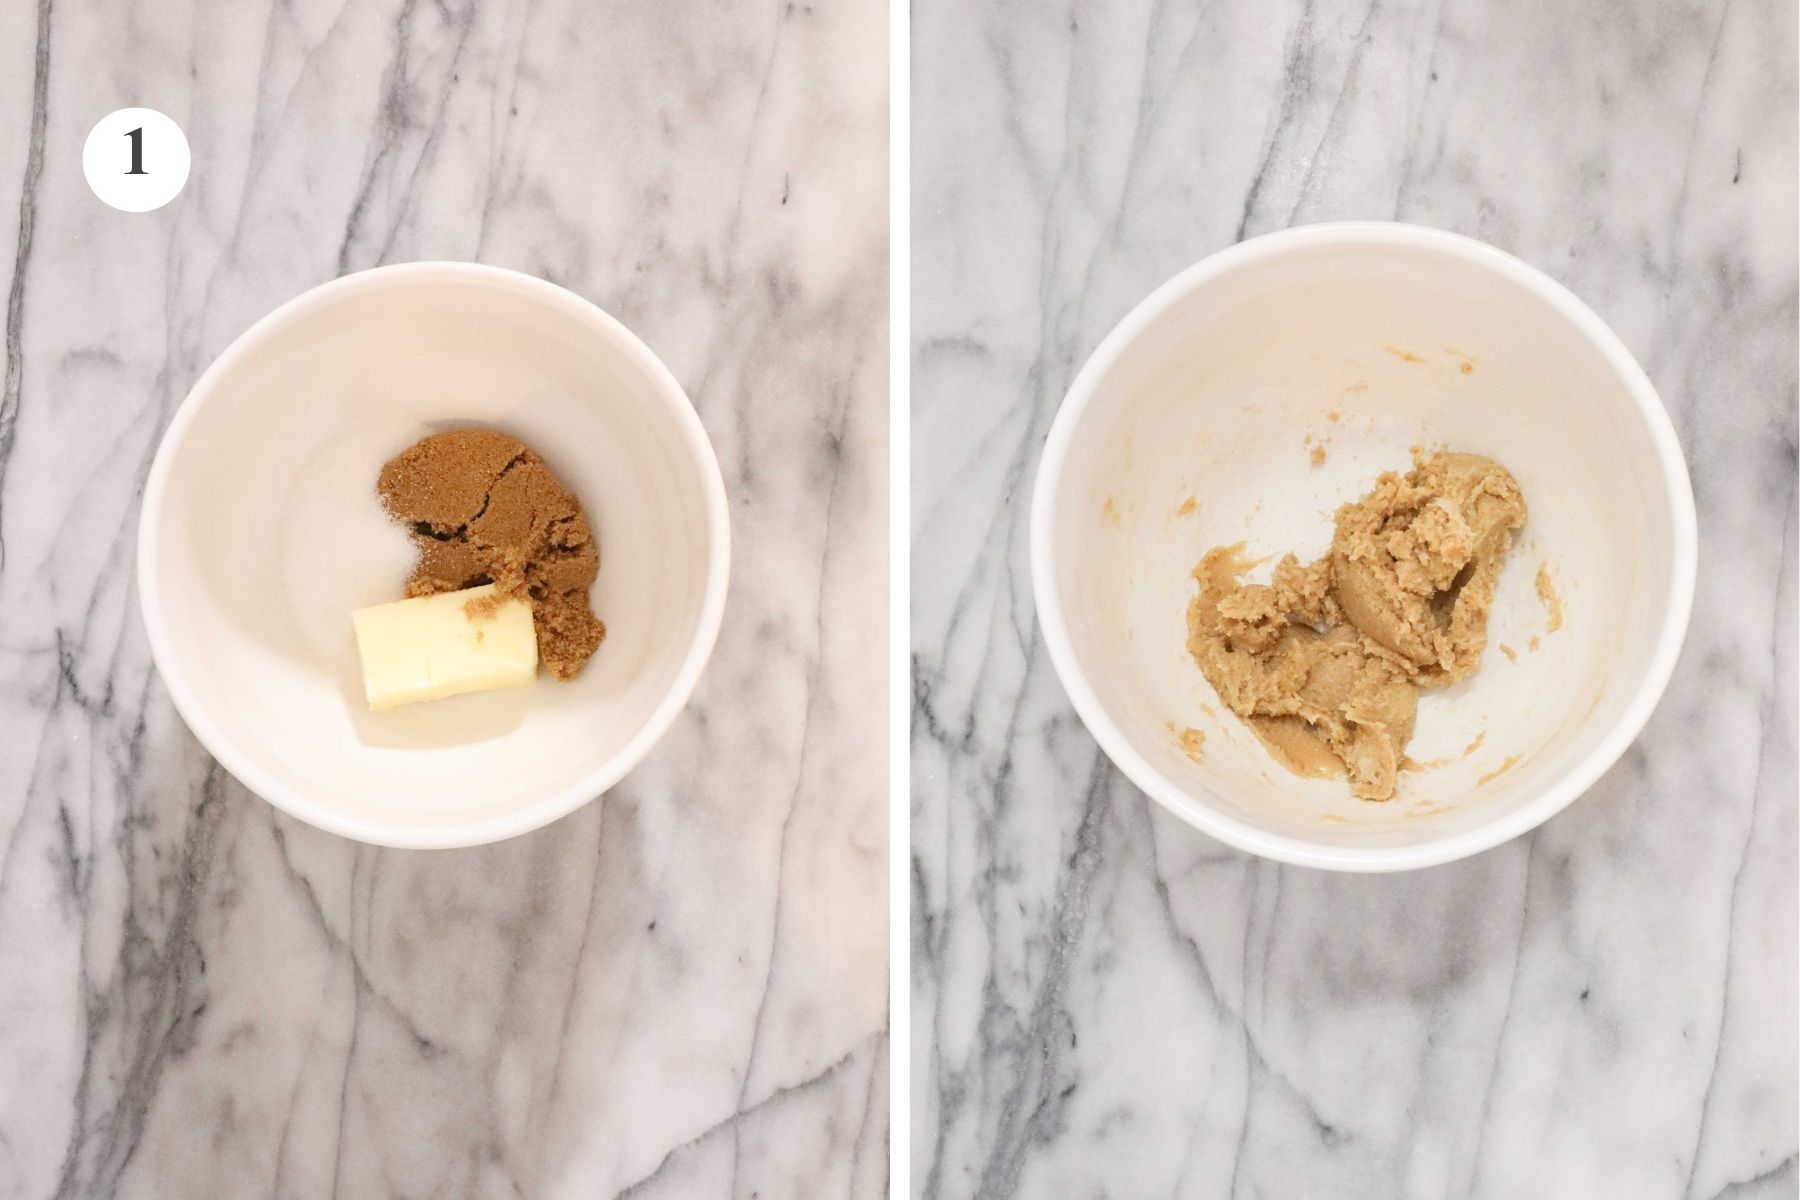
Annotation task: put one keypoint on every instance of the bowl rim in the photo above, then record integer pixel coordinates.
(545, 809)
(1199, 810)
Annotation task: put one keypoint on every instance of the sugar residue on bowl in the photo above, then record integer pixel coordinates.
(1547, 596)
(1506, 765)
(1433, 764)
(1189, 739)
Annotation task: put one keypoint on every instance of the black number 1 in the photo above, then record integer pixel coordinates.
(137, 152)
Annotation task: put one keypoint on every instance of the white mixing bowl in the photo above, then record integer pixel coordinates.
(261, 532)
(1363, 340)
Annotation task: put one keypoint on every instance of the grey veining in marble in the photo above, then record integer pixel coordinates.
(1106, 1003)
(678, 992)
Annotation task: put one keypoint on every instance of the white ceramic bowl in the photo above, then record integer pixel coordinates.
(1356, 336)
(261, 532)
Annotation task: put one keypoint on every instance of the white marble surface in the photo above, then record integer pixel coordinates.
(678, 992)
(1106, 1003)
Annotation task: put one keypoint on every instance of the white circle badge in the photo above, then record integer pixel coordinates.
(136, 159)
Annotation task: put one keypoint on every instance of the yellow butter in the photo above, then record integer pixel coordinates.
(445, 645)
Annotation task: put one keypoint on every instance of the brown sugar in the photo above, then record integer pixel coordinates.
(484, 508)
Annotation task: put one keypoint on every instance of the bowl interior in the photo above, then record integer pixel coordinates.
(1202, 434)
(267, 533)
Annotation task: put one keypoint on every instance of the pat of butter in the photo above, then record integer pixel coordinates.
(444, 645)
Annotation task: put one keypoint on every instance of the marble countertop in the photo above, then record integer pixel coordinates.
(1107, 1003)
(679, 991)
